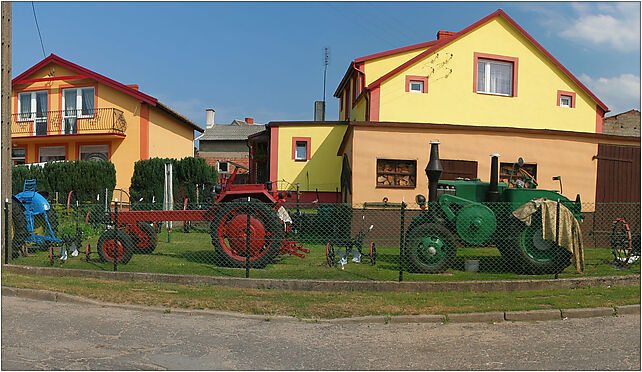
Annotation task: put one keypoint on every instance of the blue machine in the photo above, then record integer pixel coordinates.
(35, 204)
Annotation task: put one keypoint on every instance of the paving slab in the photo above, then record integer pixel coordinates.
(588, 313)
(533, 315)
(417, 319)
(488, 317)
(628, 309)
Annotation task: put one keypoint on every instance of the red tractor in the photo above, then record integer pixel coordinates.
(237, 210)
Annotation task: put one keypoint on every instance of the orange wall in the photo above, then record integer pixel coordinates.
(555, 155)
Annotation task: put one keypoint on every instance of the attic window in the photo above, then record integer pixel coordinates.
(494, 74)
(565, 99)
(416, 84)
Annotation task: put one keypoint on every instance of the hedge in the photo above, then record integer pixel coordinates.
(148, 180)
(85, 177)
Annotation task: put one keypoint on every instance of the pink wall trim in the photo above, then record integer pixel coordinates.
(561, 93)
(495, 57)
(374, 104)
(274, 153)
(599, 119)
(307, 140)
(410, 78)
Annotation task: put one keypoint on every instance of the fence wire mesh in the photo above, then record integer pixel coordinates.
(372, 241)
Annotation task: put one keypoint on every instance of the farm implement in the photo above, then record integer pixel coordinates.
(246, 222)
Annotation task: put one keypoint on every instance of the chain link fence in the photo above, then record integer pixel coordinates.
(372, 241)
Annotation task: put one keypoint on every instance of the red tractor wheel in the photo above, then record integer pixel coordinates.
(228, 230)
(147, 240)
(115, 245)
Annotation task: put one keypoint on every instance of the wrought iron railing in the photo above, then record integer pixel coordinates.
(100, 120)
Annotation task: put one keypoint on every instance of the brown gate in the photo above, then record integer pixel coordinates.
(617, 193)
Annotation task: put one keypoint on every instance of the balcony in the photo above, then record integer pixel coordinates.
(68, 122)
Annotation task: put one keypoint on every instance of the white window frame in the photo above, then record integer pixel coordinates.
(570, 101)
(305, 150)
(78, 110)
(487, 65)
(218, 167)
(33, 115)
(421, 86)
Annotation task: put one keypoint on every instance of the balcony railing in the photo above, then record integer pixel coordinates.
(100, 120)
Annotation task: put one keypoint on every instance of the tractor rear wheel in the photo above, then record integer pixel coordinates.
(430, 248)
(147, 242)
(115, 245)
(19, 231)
(532, 255)
(228, 230)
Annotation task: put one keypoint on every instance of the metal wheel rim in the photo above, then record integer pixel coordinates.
(113, 249)
(536, 247)
(431, 249)
(222, 236)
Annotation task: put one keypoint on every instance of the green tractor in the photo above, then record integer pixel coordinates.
(480, 214)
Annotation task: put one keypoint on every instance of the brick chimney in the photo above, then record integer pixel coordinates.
(249, 120)
(444, 34)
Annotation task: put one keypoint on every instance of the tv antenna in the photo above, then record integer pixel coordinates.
(326, 60)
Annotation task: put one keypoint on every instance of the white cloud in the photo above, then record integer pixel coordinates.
(615, 26)
(619, 93)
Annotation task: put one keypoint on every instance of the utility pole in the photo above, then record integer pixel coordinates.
(5, 127)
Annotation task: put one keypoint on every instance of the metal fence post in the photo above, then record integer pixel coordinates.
(402, 240)
(116, 227)
(247, 242)
(557, 229)
(7, 241)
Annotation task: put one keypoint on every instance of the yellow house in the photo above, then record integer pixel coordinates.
(492, 73)
(62, 111)
(489, 88)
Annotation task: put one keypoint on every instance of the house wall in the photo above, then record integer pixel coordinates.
(451, 99)
(162, 135)
(322, 170)
(625, 124)
(569, 156)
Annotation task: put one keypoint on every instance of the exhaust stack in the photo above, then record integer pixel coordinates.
(433, 171)
(492, 195)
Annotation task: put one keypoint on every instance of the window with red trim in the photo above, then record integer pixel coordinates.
(565, 99)
(301, 148)
(416, 84)
(18, 155)
(495, 75)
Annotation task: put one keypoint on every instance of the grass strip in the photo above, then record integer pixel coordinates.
(323, 305)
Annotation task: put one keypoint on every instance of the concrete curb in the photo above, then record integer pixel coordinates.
(336, 285)
(489, 317)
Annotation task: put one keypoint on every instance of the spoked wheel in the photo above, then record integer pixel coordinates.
(115, 245)
(621, 242)
(147, 241)
(430, 248)
(329, 254)
(228, 230)
(373, 254)
(534, 255)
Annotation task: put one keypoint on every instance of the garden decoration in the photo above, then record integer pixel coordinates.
(335, 253)
(625, 246)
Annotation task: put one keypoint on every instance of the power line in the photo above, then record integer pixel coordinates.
(44, 55)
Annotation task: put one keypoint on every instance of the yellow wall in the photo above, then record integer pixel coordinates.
(167, 136)
(555, 155)
(323, 170)
(378, 67)
(450, 98)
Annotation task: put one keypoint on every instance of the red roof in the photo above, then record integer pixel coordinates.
(439, 44)
(105, 80)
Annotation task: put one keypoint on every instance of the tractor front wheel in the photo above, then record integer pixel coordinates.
(115, 245)
(430, 248)
(228, 230)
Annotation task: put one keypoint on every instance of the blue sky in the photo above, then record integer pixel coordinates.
(265, 59)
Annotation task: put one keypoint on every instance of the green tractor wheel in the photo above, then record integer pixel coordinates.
(430, 248)
(533, 255)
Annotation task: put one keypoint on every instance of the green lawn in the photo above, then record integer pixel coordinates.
(323, 305)
(193, 253)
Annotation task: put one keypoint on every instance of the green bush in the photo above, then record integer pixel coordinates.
(148, 180)
(86, 178)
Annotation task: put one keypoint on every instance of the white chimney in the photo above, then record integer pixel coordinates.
(209, 118)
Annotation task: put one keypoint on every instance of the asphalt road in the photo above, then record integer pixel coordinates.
(48, 335)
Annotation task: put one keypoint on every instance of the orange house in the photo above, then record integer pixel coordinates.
(62, 111)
